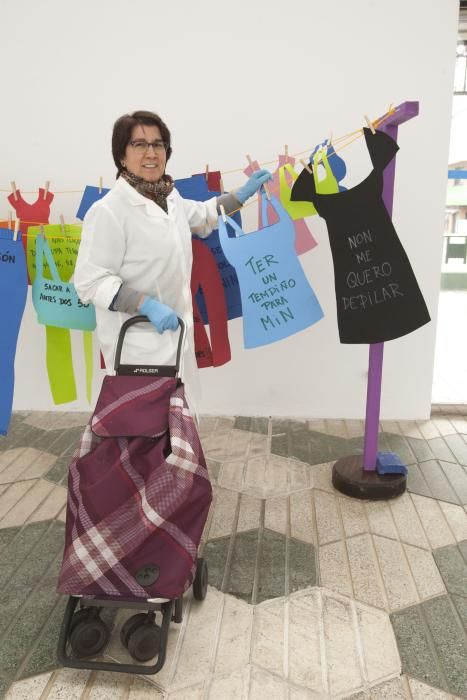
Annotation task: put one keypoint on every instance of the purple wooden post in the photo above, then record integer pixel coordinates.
(402, 113)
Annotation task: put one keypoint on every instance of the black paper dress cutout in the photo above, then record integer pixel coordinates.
(377, 294)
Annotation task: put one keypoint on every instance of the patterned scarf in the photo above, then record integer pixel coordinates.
(157, 191)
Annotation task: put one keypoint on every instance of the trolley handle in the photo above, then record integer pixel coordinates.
(144, 319)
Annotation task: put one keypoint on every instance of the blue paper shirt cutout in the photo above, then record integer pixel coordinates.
(13, 291)
(196, 188)
(91, 194)
(277, 298)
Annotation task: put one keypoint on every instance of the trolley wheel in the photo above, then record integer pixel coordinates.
(178, 610)
(200, 584)
(145, 641)
(89, 637)
(80, 616)
(130, 626)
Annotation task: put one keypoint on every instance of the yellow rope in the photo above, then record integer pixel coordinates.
(352, 136)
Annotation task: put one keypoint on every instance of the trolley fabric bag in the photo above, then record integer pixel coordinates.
(138, 494)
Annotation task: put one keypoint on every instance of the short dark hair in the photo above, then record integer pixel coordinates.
(123, 127)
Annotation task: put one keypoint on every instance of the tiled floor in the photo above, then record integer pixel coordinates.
(312, 595)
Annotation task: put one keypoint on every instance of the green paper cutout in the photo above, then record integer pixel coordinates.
(64, 244)
(88, 361)
(59, 365)
(328, 185)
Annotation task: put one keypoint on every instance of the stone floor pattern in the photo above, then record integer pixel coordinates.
(312, 594)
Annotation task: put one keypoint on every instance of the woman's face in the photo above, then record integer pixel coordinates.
(148, 163)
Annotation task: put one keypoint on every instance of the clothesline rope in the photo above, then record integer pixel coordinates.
(351, 136)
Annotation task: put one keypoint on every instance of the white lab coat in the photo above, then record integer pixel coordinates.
(127, 238)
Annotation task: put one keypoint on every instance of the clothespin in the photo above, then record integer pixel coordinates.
(306, 166)
(42, 231)
(369, 124)
(46, 188)
(15, 235)
(13, 189)
(100, 184)
(250, 162)
(221, 185)
(286, 153)
(10, 217)
(330, 139)
(62, 224)
(207, 172)
(221, 207)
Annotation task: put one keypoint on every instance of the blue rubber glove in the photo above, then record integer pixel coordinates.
(162, 317)
(252, 185)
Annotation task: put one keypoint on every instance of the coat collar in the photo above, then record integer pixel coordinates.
(137, 200)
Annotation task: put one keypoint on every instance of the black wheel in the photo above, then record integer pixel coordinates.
(130, 626)
(200, 584)
(178, 610)
(80, 616)
(144, 643)
(89, 637)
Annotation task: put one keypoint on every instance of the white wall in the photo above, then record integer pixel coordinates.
(231, 79)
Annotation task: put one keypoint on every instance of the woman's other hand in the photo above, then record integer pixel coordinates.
(252, 185)
(162, 317)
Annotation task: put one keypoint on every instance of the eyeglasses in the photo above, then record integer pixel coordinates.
(141, 146)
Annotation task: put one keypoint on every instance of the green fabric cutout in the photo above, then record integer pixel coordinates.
(328, 185)
(58, 351)
(59, 365)
(88, 361)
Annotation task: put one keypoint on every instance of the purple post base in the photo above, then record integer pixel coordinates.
(356, 475)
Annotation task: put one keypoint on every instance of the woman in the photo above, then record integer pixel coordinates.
(135, 254)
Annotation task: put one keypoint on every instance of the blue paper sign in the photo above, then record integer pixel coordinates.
(277, 298)
(91, 194)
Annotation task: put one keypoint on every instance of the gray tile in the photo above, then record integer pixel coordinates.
(452, 568)
(400, 445)
(299, 446)
(260, 425)
(436, 479)
(457, 476)
(22, 435)
(417, 656)
(242, 423)
(441, 450)
(4, 685)
(271, 574)
(215, 552)
(280, 426)
(58, 473)
(242, 570)
(460, 603)
(44, 656)
(7, 535)
(420, 448)
(416, 482)
(302, 565)
(458, 448)
(280, 445)
(15, 644)
(463, 549)
(450, 642)
(22, 546)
